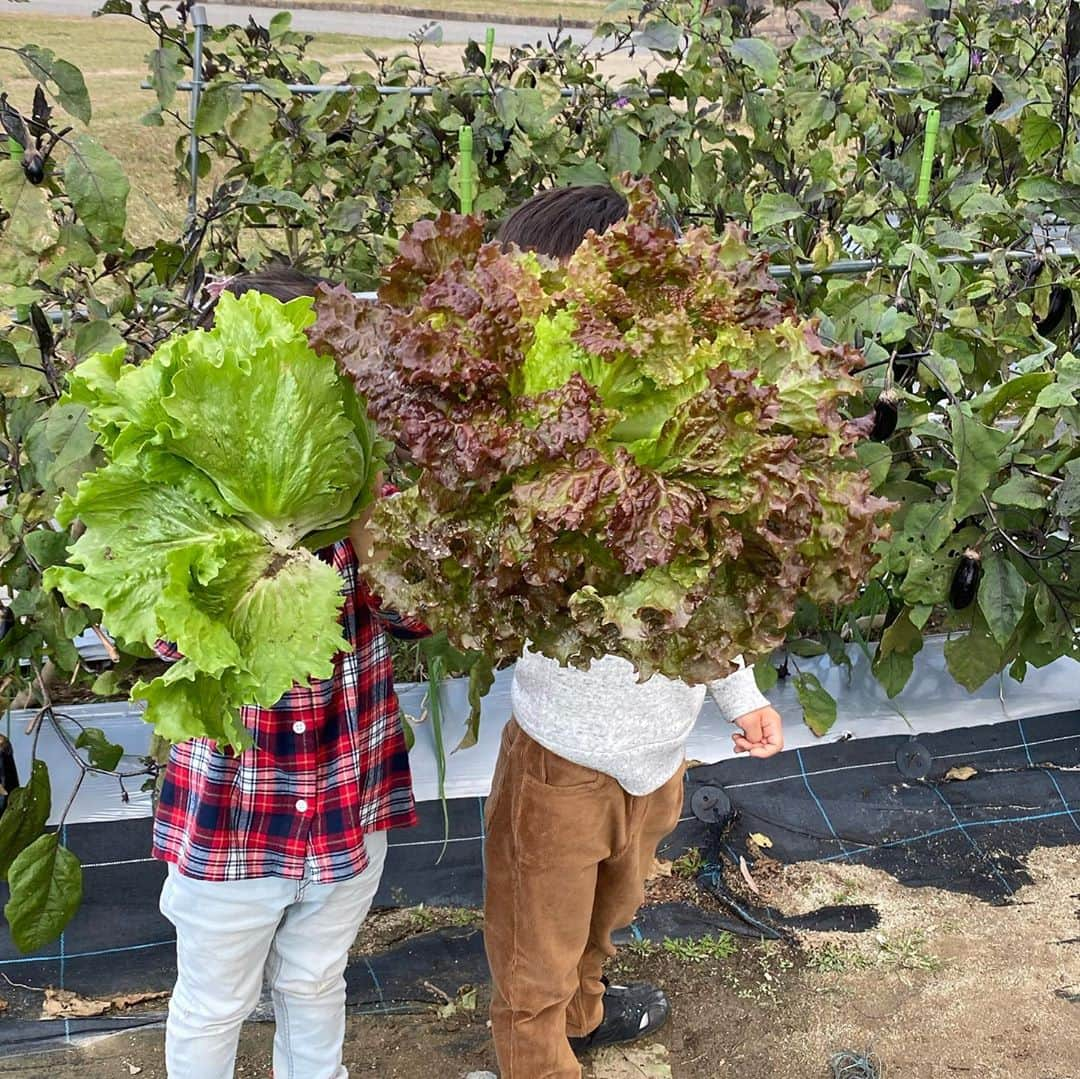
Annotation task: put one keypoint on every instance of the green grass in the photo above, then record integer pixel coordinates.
(908, 951)
(703, 949)
(763, 973)
(832, 958)
(641, 948)
(587, 10)
(687, 866)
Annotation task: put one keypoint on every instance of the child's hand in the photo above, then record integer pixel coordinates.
(362, 540)
(762, 733)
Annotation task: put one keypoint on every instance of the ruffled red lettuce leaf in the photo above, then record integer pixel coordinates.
(643, 453)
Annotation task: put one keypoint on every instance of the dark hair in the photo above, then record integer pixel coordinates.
(555, 222)
(280, 280)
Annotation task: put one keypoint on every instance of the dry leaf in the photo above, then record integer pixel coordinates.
(132, 999)
(660, 868)
(133, 1069)
(744, 869)
(63, 1004)
(3, 1005)
(760, 839)
(963, 771)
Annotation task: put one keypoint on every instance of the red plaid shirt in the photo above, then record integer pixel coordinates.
(329, 764)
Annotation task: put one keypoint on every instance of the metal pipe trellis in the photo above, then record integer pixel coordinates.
(851, 267)
(313, 88)
(841, 267)
(200, 22)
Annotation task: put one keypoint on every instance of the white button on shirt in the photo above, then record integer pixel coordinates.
(301, 806)
(299, 727)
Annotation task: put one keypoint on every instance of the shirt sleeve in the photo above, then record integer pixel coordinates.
(402, 626)
(738, 693)
(168, 651)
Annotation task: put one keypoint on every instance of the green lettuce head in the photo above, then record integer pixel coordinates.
(231, 456)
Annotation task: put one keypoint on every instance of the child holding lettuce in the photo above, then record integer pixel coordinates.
(589, 779)
(275, 855)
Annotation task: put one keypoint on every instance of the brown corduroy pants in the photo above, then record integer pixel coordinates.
(566, 858)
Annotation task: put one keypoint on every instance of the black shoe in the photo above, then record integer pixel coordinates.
(630, 1012)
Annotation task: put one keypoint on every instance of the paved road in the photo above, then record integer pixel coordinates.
(368, 24)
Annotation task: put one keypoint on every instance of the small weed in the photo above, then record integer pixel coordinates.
(773, 962)
(464, 916)
(908, 952)
(465, 1001)
(846, 892)
(722, 946)
(421, 919)
(641, 948)
(688, 865)
(832, 958)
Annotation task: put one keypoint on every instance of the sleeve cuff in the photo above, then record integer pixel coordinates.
(738, 694)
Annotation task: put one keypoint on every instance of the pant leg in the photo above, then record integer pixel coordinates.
(550, 824)
(223, 934)
(306, 970)
(620, 891)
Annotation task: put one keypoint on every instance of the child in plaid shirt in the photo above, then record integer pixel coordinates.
(275, 854)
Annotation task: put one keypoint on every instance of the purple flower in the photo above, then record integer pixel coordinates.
(622, 102)
(976, 57)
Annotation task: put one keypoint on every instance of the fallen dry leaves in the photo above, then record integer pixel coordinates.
(744, 869)
(64, 1004)
(961, 772)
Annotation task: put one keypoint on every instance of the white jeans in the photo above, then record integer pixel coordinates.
(228, 933)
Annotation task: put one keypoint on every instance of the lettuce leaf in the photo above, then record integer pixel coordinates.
(229, 454)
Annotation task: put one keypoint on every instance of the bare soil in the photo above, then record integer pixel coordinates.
(947, 987)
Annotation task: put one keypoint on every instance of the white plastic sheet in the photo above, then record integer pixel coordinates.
(100, 798)
(931, 702)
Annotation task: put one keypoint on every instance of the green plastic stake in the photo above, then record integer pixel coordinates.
(922, 196)
(489, 47)
(465, 169)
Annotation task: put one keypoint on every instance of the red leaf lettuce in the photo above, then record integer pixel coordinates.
(641, 453)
